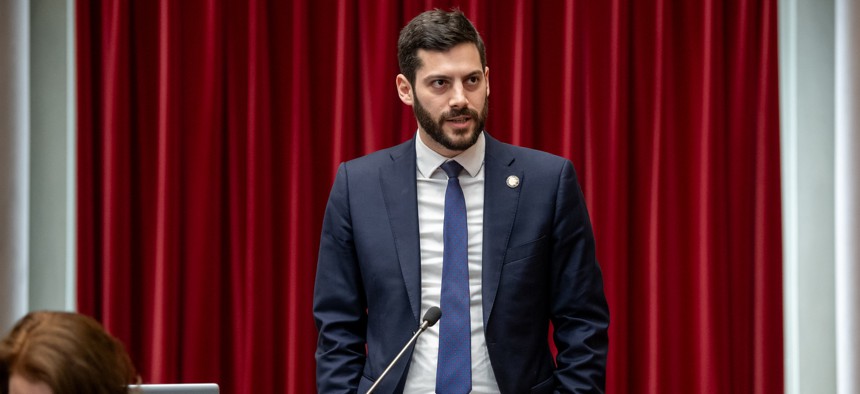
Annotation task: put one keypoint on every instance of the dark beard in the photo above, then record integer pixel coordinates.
(433, 128)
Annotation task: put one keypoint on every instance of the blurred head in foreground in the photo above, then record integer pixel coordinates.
(63, 352)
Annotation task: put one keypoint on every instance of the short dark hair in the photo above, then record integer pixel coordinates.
(435, 30)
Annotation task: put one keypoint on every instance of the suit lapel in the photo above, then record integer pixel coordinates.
(500, 209)
(400, 194)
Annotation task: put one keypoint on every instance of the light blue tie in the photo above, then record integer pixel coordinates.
(454, 370)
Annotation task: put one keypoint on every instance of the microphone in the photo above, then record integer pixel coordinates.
(430, 318)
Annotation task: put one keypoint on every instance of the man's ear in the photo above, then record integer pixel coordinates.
(404, 89)
(487, 78)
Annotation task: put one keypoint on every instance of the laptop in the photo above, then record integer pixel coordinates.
(183, 388)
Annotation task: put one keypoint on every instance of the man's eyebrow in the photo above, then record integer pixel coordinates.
(446, 77)
(434, 77)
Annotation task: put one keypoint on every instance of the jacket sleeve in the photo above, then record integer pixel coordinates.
(339, 306)
(579, 312)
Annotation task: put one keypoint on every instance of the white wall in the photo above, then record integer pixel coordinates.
(807, 127)
(847, 181)
(14, 150)
(820, 105)
(36, 157)
(52, 155)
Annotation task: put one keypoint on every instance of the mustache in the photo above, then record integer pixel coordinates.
(460, 112)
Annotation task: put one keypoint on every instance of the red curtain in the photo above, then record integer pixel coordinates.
(209, 133)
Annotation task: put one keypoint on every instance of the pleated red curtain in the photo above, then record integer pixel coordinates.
(209, 132)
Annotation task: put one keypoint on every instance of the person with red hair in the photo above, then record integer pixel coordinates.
(63, 352)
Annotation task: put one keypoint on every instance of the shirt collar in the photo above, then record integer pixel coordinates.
(428, 161)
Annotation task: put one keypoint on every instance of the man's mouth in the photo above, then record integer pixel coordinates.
(460, 120)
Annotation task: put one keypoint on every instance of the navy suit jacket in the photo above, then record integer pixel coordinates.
(539, 267)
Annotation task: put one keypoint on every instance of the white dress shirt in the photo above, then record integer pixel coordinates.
(432, 183)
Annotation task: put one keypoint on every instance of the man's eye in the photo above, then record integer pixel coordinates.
(473, 80)
(438, 83)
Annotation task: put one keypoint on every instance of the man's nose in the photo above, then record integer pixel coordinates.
(458, 96)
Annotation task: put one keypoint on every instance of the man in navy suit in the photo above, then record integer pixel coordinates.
(527, 258)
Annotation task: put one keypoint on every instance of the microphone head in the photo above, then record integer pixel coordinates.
(432, 315)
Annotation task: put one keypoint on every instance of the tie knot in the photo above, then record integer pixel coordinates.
(452, 168)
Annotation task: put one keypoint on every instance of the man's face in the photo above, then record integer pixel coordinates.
(449, 98)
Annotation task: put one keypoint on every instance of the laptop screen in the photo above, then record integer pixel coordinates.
(184, 388)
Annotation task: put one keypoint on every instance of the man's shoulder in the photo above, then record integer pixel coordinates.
(523, 151)
(527, 156)
(381, 157)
